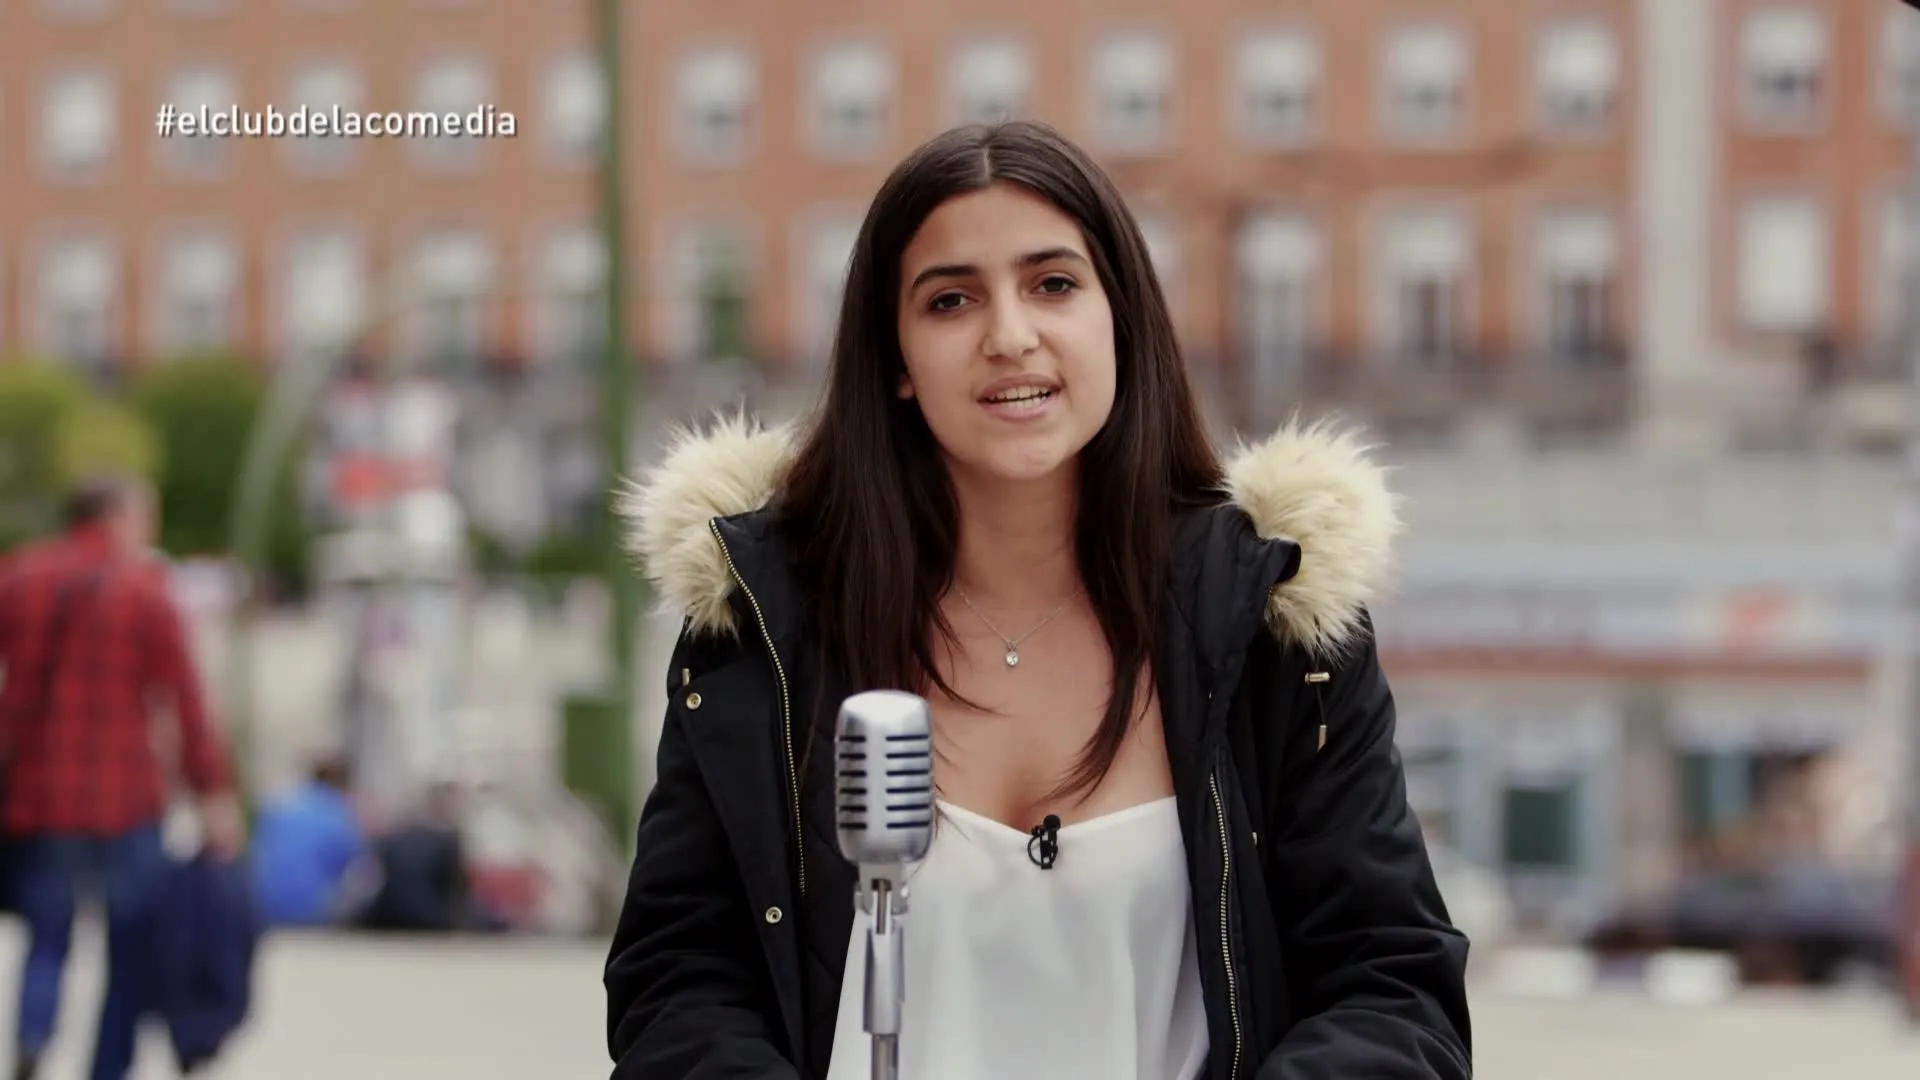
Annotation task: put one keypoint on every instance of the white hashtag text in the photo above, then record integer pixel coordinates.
(307, 122)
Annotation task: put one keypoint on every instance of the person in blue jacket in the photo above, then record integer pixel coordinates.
(306, 844)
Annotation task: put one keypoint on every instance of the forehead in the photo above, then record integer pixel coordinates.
(994, 225)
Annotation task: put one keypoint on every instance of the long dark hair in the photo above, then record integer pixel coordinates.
(867, 503)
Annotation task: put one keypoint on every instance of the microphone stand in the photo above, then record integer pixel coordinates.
(886, 973)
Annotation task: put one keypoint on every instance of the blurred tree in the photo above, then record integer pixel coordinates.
(555, 562)
(37, 400)
(564, 556)
(102, 435)
(202, 409)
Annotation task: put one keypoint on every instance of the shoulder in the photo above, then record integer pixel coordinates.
(140, 576)
(1314, 486)
(32, 559)
(139, 587)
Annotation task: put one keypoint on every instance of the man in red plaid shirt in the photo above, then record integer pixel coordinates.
(94, 651)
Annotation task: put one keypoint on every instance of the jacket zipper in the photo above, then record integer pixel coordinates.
(786, 710)
(1226, 941)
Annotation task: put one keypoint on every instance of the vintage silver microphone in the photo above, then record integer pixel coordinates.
(883, 795)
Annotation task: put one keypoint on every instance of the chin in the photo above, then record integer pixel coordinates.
(1026, 472)
(1029, 463)
(1039, 453)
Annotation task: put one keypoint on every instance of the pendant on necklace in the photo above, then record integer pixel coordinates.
(1013, 658)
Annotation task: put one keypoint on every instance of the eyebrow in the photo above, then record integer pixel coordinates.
(1032, 258)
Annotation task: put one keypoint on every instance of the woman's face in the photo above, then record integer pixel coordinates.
(1007, 334)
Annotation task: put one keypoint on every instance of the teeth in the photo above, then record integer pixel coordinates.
(1020, 395)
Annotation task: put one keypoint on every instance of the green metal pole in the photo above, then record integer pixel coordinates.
(277, 428)
(616, 401)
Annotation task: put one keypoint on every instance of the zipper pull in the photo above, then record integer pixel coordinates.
(1315, 679)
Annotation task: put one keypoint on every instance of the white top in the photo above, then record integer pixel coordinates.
(1086, 971)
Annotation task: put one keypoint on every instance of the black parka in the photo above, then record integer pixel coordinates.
(1326, 952)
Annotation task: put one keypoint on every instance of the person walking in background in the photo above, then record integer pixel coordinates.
(92, 644)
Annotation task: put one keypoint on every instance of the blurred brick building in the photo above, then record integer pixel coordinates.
(1445, 184)
(1617, 279)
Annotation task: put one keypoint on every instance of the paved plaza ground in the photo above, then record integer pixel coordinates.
(384, 1010)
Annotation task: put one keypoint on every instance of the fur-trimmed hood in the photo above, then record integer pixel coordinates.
(1312, 484)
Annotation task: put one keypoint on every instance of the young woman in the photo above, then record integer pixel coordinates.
(1007, 503)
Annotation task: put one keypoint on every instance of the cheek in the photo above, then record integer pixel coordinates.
(1092, 368)
(939, 383)
(949, 414)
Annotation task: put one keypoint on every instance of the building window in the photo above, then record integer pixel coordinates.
(323, 290)
(201, 153)
(715, 93)
(1577, 71)
(78, 122)
(1425, 82)
(199, 280)
(991, 81)
(853, 82)
(1279, 258)
(1900, 65)
(1435, 787)
(1133, 80)
(1277, 77)
(1162, 236)
(570, 313)
(1730, 794)
(1716, 793)
(319, 88)
(711, 289)
(453, 270)
(1542, 825)
(575, 103)
(826, 251)
(1576, 261)
(1783, 265)
(1895, 262)
(1783, 58)
(1428, 258)
(77, 291)
(450, 88)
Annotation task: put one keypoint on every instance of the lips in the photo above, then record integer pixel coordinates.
(1023, 399)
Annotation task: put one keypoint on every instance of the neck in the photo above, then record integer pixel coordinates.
(1016, 542)
(93, 536)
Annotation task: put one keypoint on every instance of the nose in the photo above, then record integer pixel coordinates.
(1010, 333)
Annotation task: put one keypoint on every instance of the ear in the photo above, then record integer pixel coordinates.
(905, 389)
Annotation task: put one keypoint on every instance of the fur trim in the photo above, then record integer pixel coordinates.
(1316, 485)
(729, 469)
(1312, 484)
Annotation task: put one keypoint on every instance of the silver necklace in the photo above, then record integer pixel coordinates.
(1013, 644)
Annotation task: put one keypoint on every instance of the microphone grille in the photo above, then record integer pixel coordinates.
(883, 776)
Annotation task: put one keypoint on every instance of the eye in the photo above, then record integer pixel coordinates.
(947, 301)
(1058, 285)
